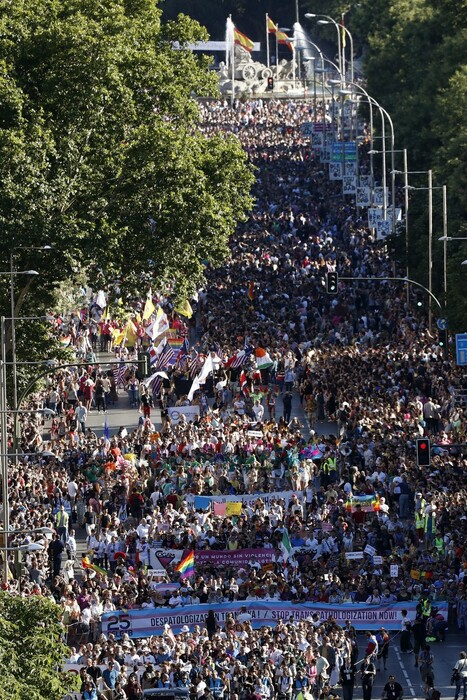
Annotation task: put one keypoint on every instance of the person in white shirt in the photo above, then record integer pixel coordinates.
(239, 406)
(72, 488)
(258, 410)
(244, 616)
(142, 529)
(142, 548)
(311, 542)
(71, 545)
(175, 600)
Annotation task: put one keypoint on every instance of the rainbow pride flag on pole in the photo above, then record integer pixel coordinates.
(186, 568)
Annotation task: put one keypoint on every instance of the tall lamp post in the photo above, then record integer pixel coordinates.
(13, 272)
(384, 114)
(445, 240)
(347, 33)
(4, 442)
(330, 20)
(430, 189)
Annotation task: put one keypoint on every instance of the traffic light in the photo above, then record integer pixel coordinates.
(143, 365)
(332, 282)
(270, 83)
(423, 452)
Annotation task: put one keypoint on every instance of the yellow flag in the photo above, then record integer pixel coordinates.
(149, 309)
(184, 309)
(131, 333)
(233, 508)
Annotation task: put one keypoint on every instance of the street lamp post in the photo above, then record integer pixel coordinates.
(347, 32)
(384, 113)
(334, 126)
(430, 189)
(4, 449)
(13, 272)
(310, 15)
(4, 443)
(315, 70)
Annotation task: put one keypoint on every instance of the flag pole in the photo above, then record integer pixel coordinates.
(232, 63)
(277, 54)
(267, 40)
(233, 73)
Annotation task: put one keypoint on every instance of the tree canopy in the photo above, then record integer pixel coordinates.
(31, 650)
(101, 153)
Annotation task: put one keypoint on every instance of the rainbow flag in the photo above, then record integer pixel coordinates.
(86, 563)
(175, 343)
(368, 503)
(65, 341)
(186, 568)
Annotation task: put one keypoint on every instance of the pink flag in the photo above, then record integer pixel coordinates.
(219, 508)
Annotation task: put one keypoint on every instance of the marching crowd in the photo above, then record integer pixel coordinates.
(361, 361)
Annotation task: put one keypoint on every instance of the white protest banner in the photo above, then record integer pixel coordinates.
(365, 181)
(394, 571)
(161, 557)
(363, 198)
(398, 214)
(307, 129)
(318, 140)
(349, 183)
(335, 171)
(191, 413)
(254, 433)
(383, 229)
(370, 550)
(354, 555)
(374, 215)
(150, 621)
(377, 560)
(378, 197)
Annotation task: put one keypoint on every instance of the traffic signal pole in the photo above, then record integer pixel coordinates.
(395, 279)
(333, 284)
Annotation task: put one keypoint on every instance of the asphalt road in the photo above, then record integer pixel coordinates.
(122, 415)
(402, 666)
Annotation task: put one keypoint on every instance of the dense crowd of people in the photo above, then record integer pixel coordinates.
(361, 362)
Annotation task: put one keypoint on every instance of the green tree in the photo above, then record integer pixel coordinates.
(101, 150)
(415, 65)
(102, 153)
(31, 650)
